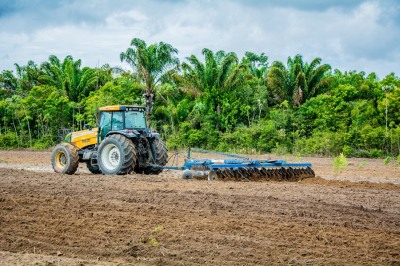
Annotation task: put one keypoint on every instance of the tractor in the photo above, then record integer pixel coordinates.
(120, 144)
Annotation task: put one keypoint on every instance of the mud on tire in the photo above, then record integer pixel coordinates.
(116, 155)
(65, 159)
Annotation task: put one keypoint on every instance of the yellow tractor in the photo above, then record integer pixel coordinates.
(121, 144)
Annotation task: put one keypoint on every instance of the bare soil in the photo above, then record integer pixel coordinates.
(350, 218)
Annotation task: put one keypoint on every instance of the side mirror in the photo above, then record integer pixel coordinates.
(87, 126)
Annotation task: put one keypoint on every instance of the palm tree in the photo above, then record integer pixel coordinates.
(63, 75)
(258, 64)
(298, 81)
(216, 80)
(153, 64)
(28, 76)
(69, 77)
(220, 71)
(8, 81)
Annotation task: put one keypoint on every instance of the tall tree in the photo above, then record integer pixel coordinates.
(218, 81)
(298, 81)
(68, 76)
(28, 76)
(220, 70)
(153, 64)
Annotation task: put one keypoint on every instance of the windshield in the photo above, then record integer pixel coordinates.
(134, 119)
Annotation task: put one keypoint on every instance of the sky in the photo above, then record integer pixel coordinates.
(360, 35)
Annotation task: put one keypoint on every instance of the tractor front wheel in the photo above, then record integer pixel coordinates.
(116, 155)
(65, 159)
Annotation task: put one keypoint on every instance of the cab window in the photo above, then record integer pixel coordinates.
(134, 119)
(105, 123)
(117, 121)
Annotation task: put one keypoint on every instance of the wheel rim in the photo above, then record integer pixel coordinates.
(112, 156)
(61, 159)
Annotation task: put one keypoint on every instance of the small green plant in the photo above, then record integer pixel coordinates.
(151, 239)
(339, 163)
(158, 228)
(298, 156)
(387, 160)
(398, 159)
(362, 164)
(154, 242)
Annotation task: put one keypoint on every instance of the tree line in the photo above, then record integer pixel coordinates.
(216, 101)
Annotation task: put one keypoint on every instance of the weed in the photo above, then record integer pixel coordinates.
(362, 164)
(339, 163)
(398, 159)
(158, 228)
(151, 239)
(387, 160)
(154, 242)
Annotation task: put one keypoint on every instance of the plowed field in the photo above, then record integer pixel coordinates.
(352, 218)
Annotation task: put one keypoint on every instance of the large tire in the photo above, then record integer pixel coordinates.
(116, 155)
(160, 156)
(94, 169)
(65, 159)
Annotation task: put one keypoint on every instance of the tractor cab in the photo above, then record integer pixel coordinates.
(121, 119)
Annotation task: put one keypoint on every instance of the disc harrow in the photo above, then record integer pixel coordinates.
(247, 170)
(242, 169)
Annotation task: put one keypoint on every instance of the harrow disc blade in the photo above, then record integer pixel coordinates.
(264, 174)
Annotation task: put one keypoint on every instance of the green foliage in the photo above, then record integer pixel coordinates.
(298, 81)
(44, 142)
(152, 64)
(339, 163)
(320, 142)
(387, 160)
(112, 93)
(9, 141)
(398, 159)
(221, 103)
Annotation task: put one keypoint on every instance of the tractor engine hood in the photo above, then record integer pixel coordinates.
(83, 138)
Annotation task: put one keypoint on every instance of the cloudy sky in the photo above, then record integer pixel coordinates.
(362, 35)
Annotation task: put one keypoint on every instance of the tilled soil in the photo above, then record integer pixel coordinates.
(352, 218)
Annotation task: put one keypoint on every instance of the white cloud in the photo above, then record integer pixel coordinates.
(362, 36)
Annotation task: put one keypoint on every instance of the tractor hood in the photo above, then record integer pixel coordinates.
(83, 138)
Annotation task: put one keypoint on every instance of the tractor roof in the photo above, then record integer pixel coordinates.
(123, 108)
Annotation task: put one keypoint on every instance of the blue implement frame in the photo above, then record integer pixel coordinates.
(240, 162)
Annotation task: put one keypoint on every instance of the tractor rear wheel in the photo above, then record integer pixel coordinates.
(160, 156)
(116, 155)
(65, 159)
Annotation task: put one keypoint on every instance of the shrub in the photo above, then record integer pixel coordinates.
(43, 143)
(387, 160)
(321, 143)
(9, 140)
(339, 163)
